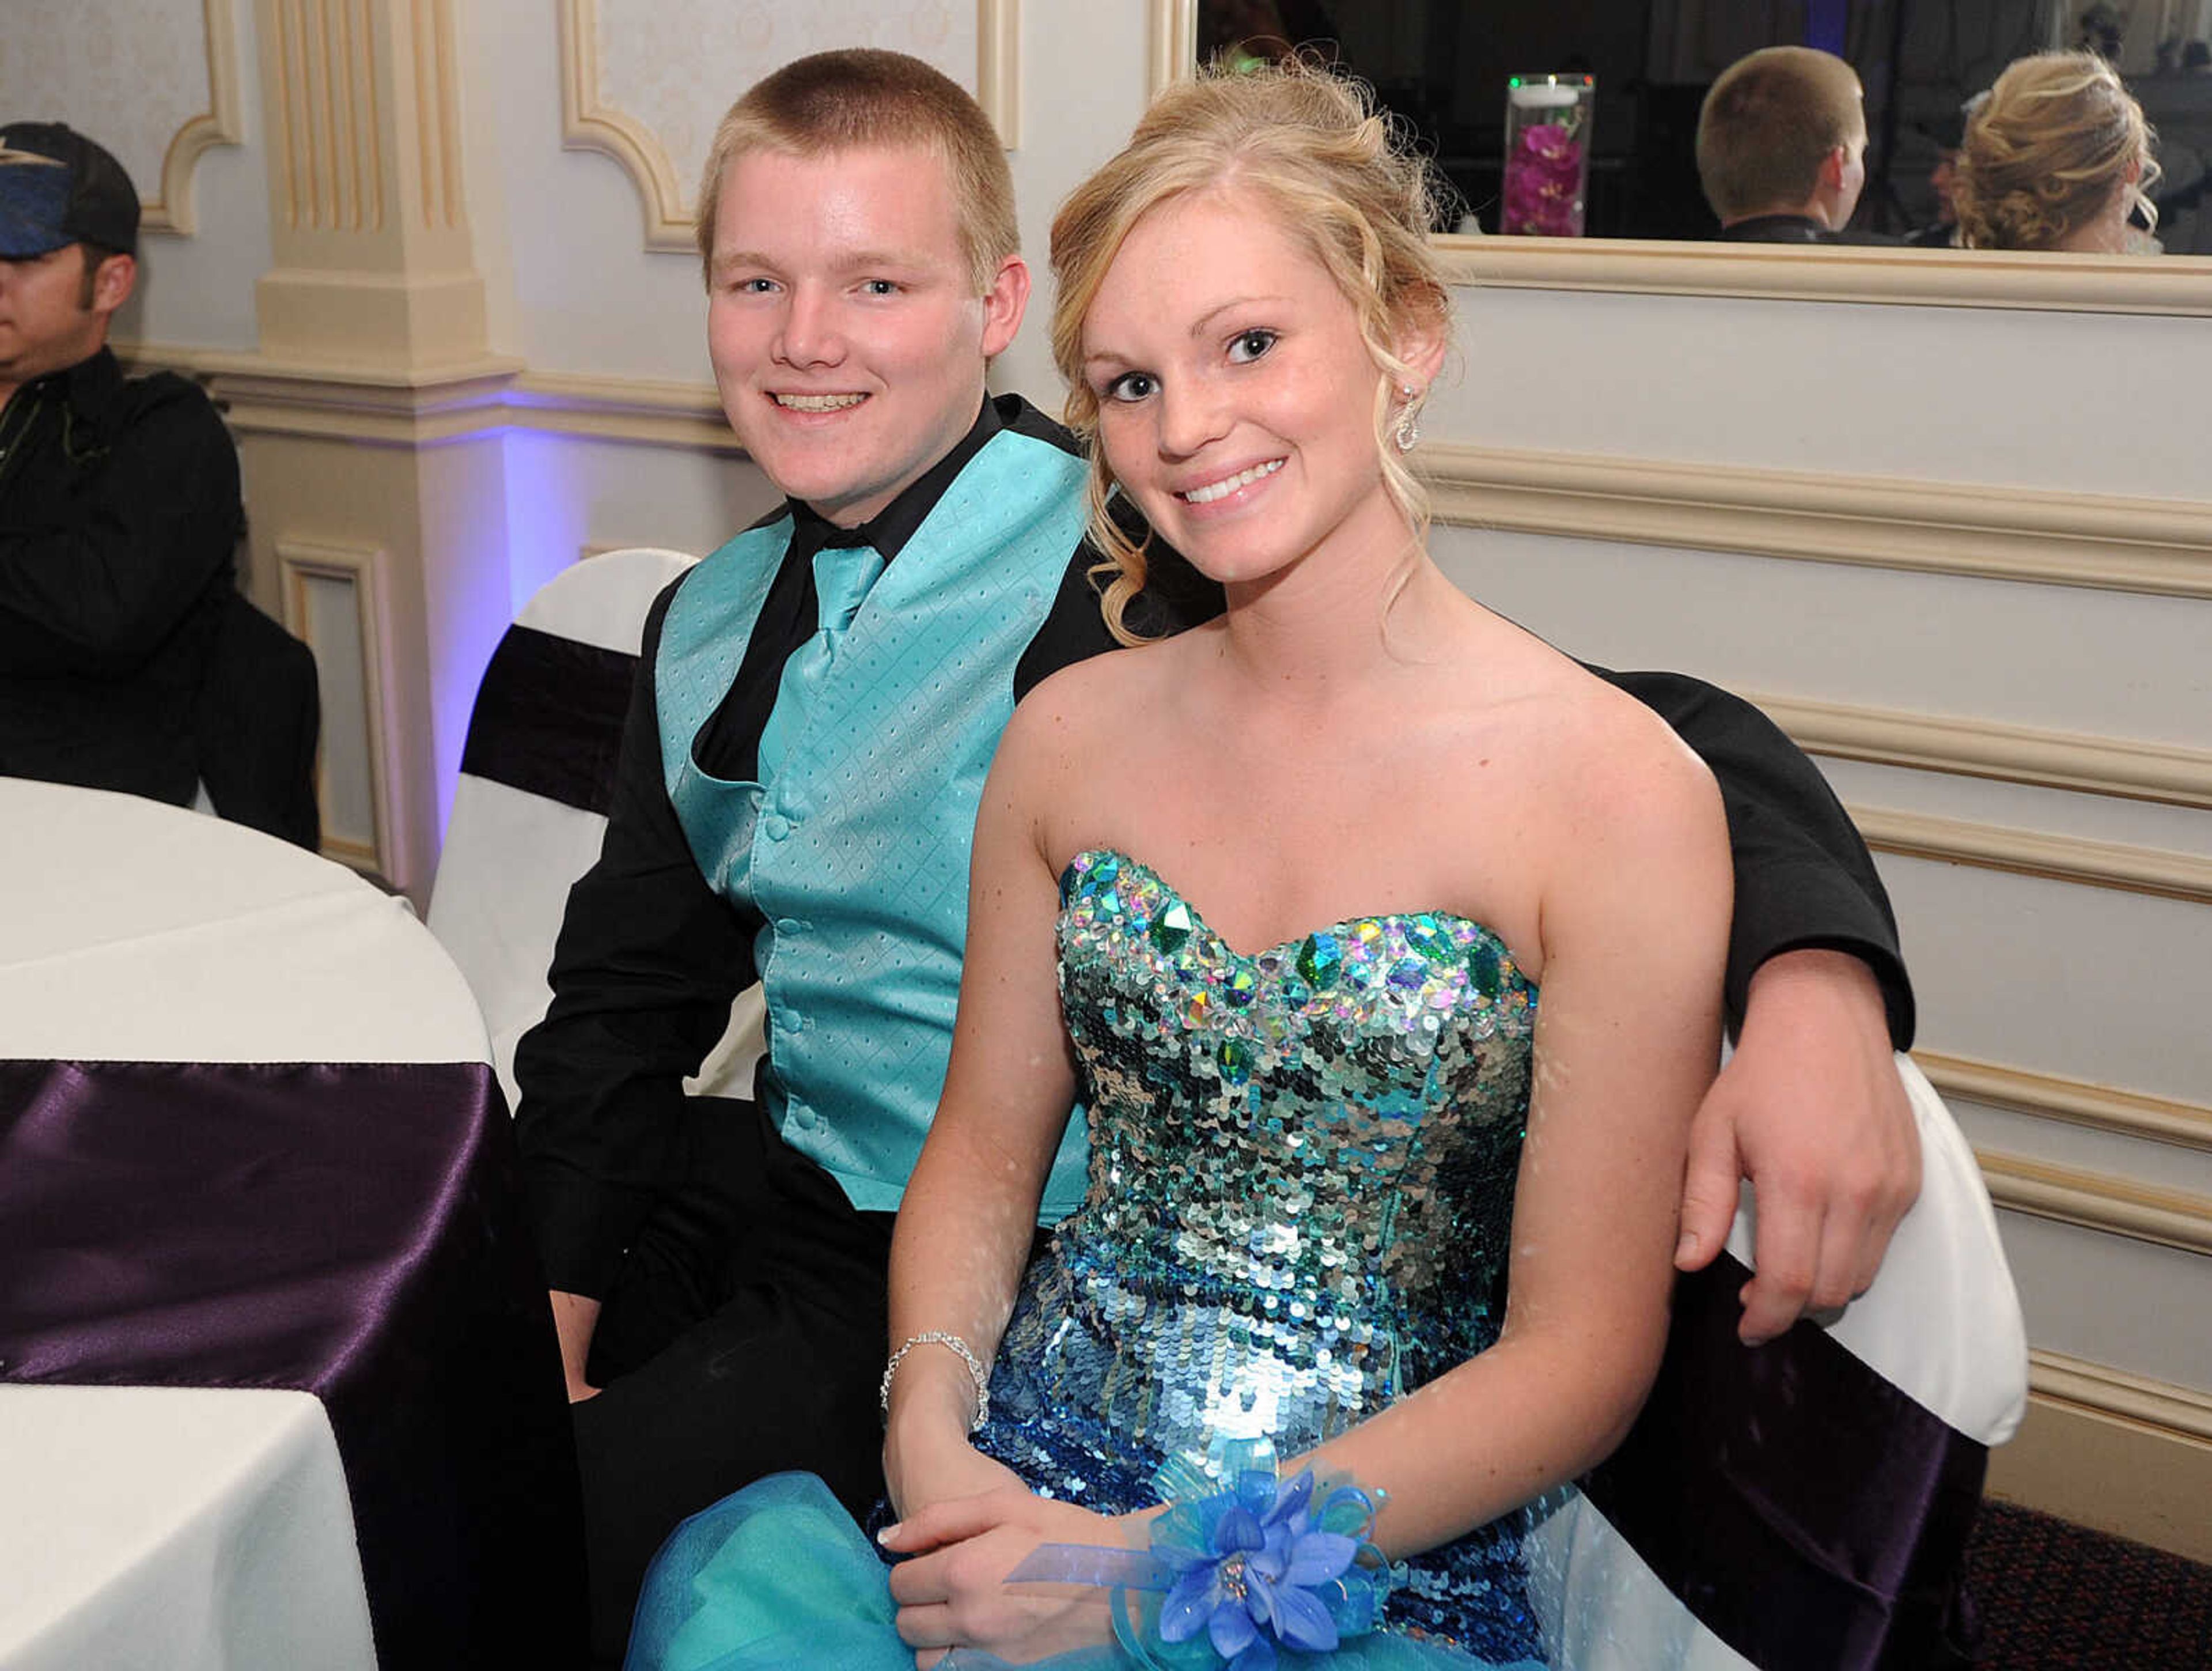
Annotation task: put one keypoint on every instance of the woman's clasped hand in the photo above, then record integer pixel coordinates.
(951, 1590)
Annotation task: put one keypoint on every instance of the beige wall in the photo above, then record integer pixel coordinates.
(1856, 512)
(1966, 552)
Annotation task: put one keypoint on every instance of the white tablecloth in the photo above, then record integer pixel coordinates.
(179, 1527)
(133, 932)
(174, 1526)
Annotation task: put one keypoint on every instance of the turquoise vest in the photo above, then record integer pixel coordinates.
(855, 853)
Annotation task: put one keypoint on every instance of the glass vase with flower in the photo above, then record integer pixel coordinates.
(1548, 131)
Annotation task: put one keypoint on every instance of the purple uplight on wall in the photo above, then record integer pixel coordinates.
(548, 512)
(513, 540)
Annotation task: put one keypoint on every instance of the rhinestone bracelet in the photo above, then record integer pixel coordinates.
(976, 1370)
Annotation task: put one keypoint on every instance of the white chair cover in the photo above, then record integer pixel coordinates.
(1941, 1324)
(512, 855)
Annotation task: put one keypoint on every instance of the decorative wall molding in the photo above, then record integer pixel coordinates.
(1903, 277)
(2117, 766)
(220, 124)
(382, 404)
(437, 112)
(2075, 1101)
(2099, 1201)
(191, 361)
(998, 67)
(1171, 42)
(2105, 542)
(360, 404)
(472, 405)
(300, 564)
(2112, 1449)
(589, 122)
(2120, 766)
(326, 149)
(2110, 1391)
(687, 416)
(2034, 853)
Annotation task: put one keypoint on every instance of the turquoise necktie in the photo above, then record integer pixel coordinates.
(843, 577)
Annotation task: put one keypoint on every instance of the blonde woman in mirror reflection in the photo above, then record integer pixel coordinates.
(1275, 899)
(2057, 157)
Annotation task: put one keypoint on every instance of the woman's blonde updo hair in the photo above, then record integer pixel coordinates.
(2056, 137)
(1342, 182)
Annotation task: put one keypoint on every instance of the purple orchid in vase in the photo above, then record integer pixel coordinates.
(1544, 183)
(1547, 155)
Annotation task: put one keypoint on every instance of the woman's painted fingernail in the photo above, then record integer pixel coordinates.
(890, 1532)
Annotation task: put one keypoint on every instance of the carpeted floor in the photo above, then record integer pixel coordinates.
(2055, 1597)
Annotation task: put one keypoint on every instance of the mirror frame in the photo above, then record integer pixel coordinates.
(2167, 285)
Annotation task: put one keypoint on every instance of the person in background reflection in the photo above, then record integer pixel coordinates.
(2059, 158)
(128, 661)
(1782, 142)
(1947, 132)
(1241, 34)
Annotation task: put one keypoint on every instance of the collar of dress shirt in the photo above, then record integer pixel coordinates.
(890, 528)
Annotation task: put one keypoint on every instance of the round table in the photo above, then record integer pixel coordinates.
(261, 1229)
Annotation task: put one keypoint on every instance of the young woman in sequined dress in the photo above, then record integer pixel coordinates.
(1308, 1179)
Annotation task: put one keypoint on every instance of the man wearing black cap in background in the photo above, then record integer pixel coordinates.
(120, 521)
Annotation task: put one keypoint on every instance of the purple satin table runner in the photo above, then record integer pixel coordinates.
(1808, 1512)
(355, 1231)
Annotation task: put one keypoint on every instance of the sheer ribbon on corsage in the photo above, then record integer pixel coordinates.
(1262, 1572)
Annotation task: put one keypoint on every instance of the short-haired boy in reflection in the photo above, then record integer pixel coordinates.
(1782, 140)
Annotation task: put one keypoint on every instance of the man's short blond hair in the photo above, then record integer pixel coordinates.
(862, 98)
(1769, 122)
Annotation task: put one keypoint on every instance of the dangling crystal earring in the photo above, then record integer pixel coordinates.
(1408, 433)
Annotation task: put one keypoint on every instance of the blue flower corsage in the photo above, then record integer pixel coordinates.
(1264, 1572)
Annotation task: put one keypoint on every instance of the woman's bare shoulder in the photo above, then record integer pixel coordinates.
(1084, 706)
(1600, 752)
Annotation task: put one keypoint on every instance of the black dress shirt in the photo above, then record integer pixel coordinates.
(1794, 229)
(119, 521)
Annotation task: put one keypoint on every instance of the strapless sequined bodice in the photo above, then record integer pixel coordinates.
(1301, 1167)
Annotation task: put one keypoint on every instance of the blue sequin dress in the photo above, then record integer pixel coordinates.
(1300, 1197)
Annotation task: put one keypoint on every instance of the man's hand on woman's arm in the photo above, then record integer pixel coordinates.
(1810, 1108)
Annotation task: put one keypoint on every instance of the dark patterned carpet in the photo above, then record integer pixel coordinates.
(2055, 1597)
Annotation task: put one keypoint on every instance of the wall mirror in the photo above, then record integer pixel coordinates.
(1444, 65)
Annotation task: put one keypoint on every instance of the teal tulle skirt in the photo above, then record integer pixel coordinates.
(777, 1578)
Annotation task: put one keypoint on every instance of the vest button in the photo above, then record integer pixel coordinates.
(775, 826)
(788, 925)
